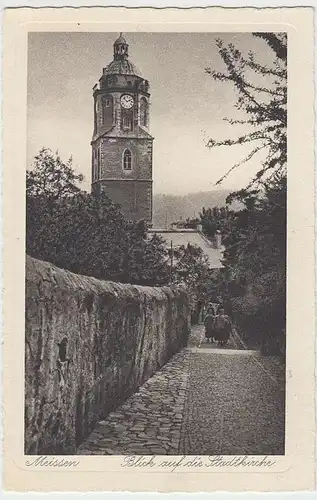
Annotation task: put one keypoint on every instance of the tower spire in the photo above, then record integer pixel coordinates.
(120, 48)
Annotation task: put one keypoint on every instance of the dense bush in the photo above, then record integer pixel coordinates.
(85, 233)
(254, 282)
(255, 263)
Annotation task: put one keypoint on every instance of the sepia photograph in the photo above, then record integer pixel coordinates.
(159, 251)
(156, 191)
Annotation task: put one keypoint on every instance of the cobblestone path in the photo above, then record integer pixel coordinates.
(205, 401)
(233, 407)
(150, 421)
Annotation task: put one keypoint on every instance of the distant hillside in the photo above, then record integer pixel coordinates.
(169, 208)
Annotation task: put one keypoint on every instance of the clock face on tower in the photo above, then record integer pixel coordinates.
(127, 101)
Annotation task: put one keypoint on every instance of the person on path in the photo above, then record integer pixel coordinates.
(222, 327)
(209, 325)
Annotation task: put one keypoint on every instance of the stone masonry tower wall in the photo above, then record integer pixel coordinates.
(122, 146)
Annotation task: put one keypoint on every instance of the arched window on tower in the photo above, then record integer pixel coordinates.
(107, 109)
(127, 160)
(144, 107)
(127, 120)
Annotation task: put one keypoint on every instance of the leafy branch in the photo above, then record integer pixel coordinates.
(264, 106)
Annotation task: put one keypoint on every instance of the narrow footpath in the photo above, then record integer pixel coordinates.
(205, 401)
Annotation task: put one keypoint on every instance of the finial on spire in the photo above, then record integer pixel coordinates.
(120, 39)
(120, 47)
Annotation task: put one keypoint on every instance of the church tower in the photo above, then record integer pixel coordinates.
(121, 142)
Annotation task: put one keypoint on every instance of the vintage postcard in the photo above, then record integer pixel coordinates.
(159, 329)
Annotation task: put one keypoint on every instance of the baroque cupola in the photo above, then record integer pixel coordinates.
(121, 64)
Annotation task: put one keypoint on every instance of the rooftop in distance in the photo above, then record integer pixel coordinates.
(179, 237)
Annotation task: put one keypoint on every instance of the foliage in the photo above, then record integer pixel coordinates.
(145, 260)
(51, 177)
(255, 264)
(213, 220)
(209, 222)
(192, 270)
(254, 277)
(187, 223)
(85, 233)
(262, 105)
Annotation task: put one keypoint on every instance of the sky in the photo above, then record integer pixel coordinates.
(187, 106)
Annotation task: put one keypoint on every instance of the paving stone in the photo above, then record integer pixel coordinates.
(137, 428)
(163, 438)
(158, 450)
(232, 393)
(151, 434)
(120, 428)
(151, 443)
(142, 435)
(165, 445)
(109, 451)
(147, 421)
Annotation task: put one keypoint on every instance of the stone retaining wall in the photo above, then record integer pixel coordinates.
(90, 344)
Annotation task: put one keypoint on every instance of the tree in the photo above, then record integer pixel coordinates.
(255, 237)
(86, 233)
(82, 233)
(214, 219)
(192, 271)
(263, 104)
(51, 177)
(145, 259)
(255, 266)
(209, 222)
(187, 223)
